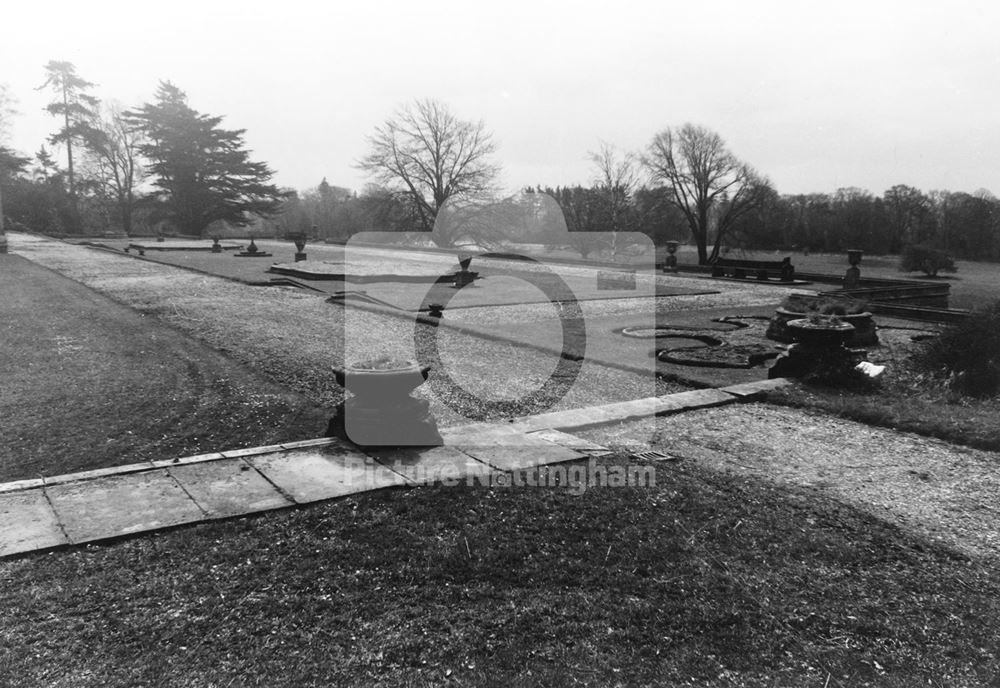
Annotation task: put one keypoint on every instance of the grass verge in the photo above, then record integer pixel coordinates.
(910, 400)
(89, 383)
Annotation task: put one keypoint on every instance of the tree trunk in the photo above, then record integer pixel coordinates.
(701, 236)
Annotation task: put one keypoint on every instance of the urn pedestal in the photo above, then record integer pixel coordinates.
(817, 346)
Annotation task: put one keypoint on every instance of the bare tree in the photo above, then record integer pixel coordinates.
(710, 186)
(431, 156)
(618, 178)
(113, 146)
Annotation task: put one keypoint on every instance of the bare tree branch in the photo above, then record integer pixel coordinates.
(432, 156)
(709, 185)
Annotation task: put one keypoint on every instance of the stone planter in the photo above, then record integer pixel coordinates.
(819, 351)
(375, 385)
(864, 333)
(382, 412)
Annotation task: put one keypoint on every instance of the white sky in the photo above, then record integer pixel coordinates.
(815, 96)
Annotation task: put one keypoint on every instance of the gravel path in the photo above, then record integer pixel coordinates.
(294, 337)
(947, 493)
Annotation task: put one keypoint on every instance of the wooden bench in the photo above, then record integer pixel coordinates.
(760, 269)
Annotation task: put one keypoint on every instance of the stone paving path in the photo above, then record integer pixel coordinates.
(112, 502)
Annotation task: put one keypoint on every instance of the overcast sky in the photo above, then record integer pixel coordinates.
(815, 96)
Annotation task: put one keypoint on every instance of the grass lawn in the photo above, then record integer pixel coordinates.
(908, 401)
(89, 383)
(700, 580)
(975, 284)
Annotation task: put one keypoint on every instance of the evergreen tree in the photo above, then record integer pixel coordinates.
(202, 173)
(74, 105)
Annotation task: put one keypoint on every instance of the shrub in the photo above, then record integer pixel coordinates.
(840, 372)
(930, 260)
(824, 305)
(969, 353)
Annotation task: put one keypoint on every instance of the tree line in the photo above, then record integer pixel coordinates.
(162, 164)
(686, 185)
(165, 165)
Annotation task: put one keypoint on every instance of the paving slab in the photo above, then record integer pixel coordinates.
(229, 487)
(513, 458)
(250, 451)
(197, 458)
(591, 415)
(318, 442)
(315, 473)
(577, 444)
(701, 398)
(667, 404)
(490, 433)
(98, 473)
(121, 505)
(19, 485)
(428, 465)
(754, 390)
(28, 523)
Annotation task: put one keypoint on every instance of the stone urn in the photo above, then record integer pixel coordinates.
(381, 380)
(382, 412)
(852, 278)
(670, 265)
(216, 246)
(299, 239)
(864, 333)
(819, 345)
(464, 276)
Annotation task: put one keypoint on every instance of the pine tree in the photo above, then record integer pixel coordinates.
(202, 173)
(74, 105)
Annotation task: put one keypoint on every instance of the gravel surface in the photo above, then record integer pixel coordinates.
(295, 337)
(942, 491)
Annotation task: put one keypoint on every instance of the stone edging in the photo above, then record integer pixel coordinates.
(573, 419)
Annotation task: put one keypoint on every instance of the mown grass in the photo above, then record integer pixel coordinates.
(701, 580)
(88, 383)
(974, 285)
(909, 401)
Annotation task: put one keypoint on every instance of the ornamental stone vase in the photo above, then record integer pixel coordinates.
(381, 411)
